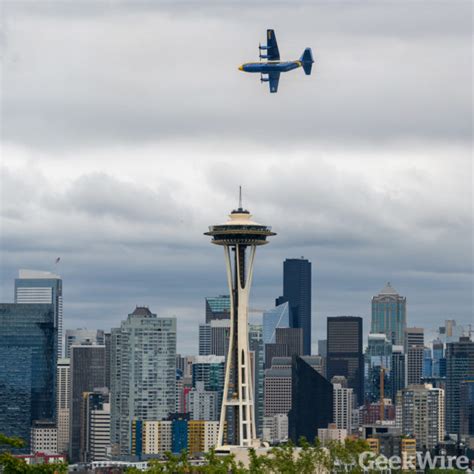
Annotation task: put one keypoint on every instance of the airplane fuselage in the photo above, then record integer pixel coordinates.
(270, 66)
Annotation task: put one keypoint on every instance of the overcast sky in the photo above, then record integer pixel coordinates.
(127, 128)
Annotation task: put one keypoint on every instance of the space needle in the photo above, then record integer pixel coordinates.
(239, 234)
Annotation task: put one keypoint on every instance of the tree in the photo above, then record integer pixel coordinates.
(10, 464)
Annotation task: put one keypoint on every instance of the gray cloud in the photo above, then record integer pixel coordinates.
(99, 74)
(126, 130)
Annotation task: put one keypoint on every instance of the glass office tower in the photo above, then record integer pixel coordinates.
(297, 291)
(389, 315)
(28, 342)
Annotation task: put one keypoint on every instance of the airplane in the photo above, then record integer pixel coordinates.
(270, 70)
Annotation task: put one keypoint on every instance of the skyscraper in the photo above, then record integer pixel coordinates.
(389, 315)
(466, 409)
(344, 352)
(278, 317)
(297, 291)
(257, 348)
(414, 350)
(28, 343)
(33, 286)
(459, 367)
(214, 337)
(397, 373)
(210, 370)
(238, 235)
(379, 359)
(311, 401)
(292, 338)
(82, 335)
(62, 404)
(142, 373)
(420, 413)
(95, 425)
(342, 406)
(217, 307)
(87, 373)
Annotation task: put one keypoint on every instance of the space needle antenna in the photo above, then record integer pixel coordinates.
(240, 197)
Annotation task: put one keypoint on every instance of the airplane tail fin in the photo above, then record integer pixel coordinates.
(307, 60)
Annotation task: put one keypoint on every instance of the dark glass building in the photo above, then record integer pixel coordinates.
(344, 352)
(87, 373)
(467, 408)
(311, 401)
(292, 337)
(217, 307)
(28, 356)
(297, 291)
(459, 367)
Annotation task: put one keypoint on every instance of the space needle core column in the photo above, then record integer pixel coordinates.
(238, 235)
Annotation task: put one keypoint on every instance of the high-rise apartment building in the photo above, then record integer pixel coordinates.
(62, 404)
(33, 286)
(459, 367)
(217, 307)
(389, 315)
(297, 291)
(343, 400)
(81, 336)
(28, 343)
(202, 404)
(311, 401)
(420, 413)
(142, 373)
(344, 352)
(87, 373)
(414, 350)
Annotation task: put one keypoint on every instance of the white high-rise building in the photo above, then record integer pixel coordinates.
(343, 400)
(34, 286)
(62, 404)
(202, 404)
(142, 373)
(420, 413)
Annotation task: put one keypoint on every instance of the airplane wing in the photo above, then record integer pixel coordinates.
(273, 78)
(272, 46)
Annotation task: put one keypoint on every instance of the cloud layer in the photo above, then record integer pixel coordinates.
(126, 130)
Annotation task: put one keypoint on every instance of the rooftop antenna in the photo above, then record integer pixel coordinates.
(240, 198)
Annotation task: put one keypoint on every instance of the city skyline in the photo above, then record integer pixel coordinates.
(113, 162)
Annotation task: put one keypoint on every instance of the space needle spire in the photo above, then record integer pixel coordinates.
(238, 235)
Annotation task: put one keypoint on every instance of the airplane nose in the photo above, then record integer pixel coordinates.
(241, 68)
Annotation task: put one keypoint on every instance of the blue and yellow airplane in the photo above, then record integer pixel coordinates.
(271, 69)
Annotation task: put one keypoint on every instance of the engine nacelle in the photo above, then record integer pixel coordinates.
(263, 56)
(263, 47)
(264, 79)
